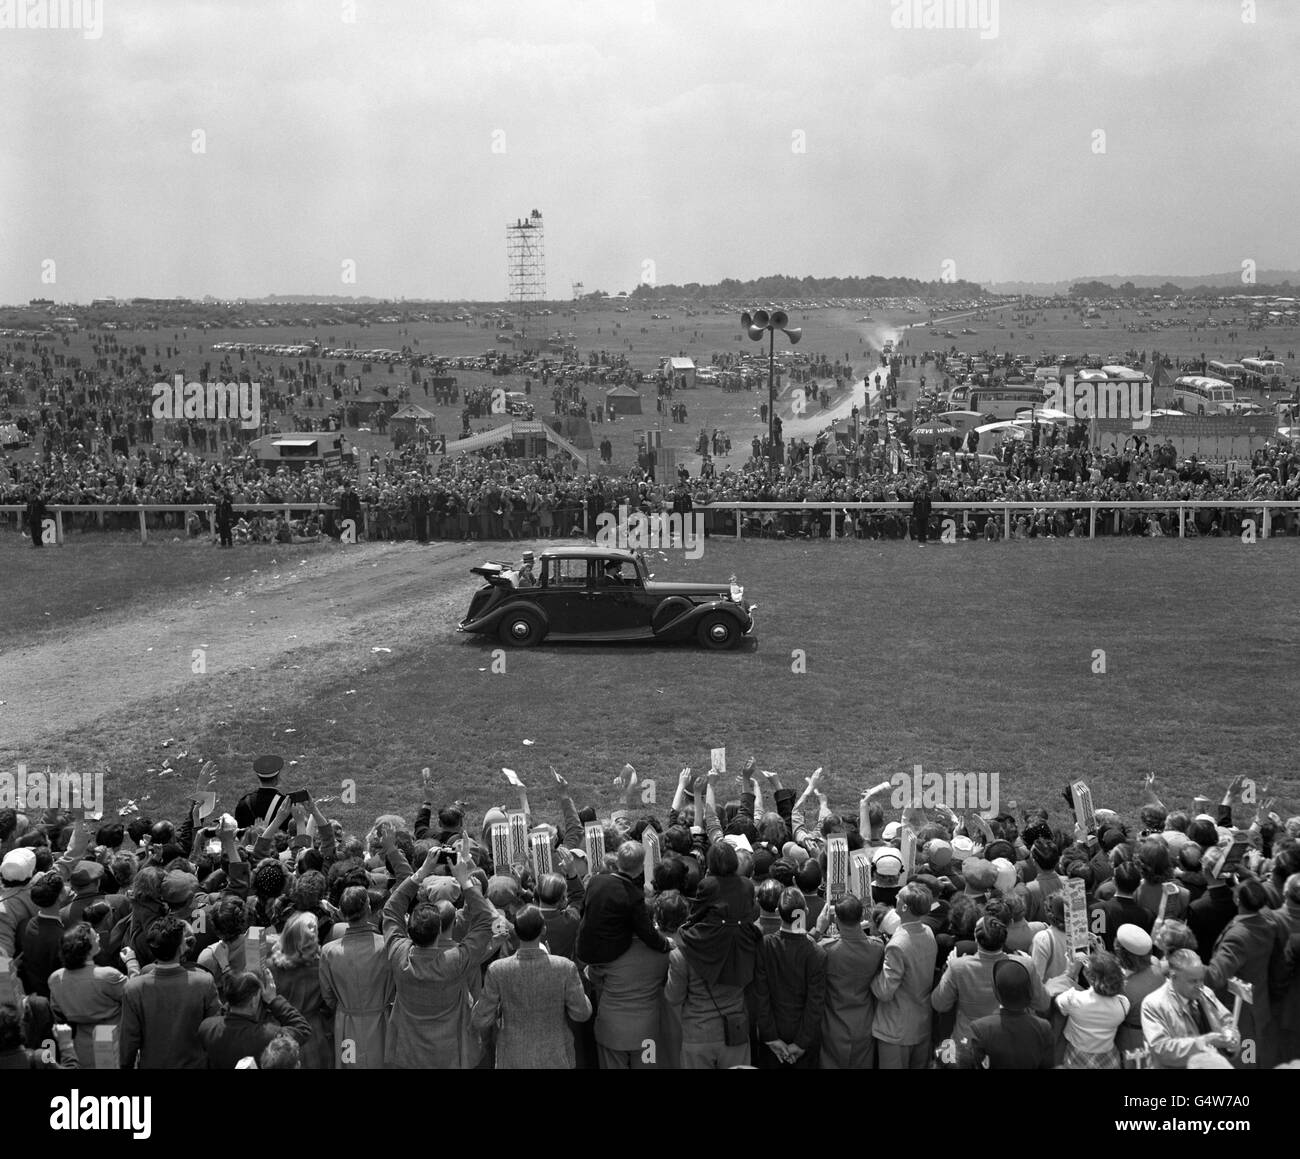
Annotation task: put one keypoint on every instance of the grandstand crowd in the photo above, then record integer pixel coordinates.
(715, 929)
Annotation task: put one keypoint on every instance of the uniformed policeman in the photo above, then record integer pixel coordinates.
(263, 801)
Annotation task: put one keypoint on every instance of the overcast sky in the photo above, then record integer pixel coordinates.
(403, 135)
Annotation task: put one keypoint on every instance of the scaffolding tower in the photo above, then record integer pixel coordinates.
(526, 252)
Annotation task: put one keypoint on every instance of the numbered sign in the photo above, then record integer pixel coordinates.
(1076, 915)
(540, 847)
(593, 841)
(500, 838)
(837, 867)
(1083, 810)
(518, 823)
(860, 876)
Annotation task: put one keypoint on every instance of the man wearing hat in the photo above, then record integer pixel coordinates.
(526, 577)
(1013, 1038)
(16, 873)
(87, 881)
(263, 801)
(886, 874)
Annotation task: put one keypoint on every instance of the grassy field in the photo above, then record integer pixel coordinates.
(970, 658)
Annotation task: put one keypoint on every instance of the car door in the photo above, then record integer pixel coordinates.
(617, 603)
(561, 595)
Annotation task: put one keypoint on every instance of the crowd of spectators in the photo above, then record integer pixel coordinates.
(712, 933)
(486, 496)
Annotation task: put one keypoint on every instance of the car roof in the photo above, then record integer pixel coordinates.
(588, 553)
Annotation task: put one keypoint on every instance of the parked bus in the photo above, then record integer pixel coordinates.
(1269, 372)
(1232, 372)
(1198, 395)
(1003, 401)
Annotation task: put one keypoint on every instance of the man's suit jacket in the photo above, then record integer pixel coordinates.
(1012, 1041)
(161, 1014)
(903, 986)
(630, 993)
(529, 994)
(852, 962)
(1120, 911)
(429, 1025)
(967, 983)
(1245, 950)
(1136, 988)
(615, 912)
(1208, 916)
(790, 990)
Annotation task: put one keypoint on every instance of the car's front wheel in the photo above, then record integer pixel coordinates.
(718, 631)
(520, 630)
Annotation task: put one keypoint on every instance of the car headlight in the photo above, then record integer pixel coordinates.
(737, 593)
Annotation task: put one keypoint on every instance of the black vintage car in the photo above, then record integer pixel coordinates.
(589, 593)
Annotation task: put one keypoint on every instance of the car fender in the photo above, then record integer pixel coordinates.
(491, 619)
(683, 620)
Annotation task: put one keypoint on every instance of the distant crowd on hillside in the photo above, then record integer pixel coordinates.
(732, 922)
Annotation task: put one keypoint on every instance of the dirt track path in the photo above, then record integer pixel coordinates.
(375, 594)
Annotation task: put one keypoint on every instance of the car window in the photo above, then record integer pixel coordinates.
(566, 573)
(619, 573)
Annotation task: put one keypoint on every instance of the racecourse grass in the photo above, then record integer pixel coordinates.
(111, 573)
(970, 657)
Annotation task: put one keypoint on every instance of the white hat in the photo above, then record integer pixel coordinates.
(962, 848)
(1006, 874)
(18, 865)
(891, 830)
(1133, 938)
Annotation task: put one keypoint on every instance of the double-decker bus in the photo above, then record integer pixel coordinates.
(1198, 395)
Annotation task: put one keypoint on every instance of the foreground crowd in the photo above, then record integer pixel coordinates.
(715, 933)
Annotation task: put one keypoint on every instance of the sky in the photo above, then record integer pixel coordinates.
(285, 146)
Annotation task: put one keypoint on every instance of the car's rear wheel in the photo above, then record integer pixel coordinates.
(718, 631)
(520, 630)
